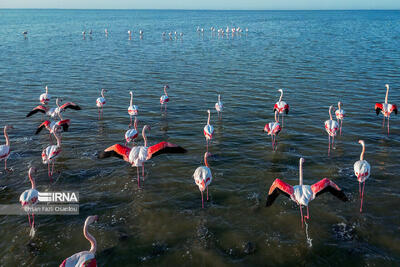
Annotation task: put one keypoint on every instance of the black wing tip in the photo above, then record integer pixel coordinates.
(287, 111)
(76, 107)
(378, 110)
(108, 154)
(65, 127)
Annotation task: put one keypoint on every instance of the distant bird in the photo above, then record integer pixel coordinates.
(386, 109)
(340, 114)
(273, 129)
(45, 97)
(83, 34)
(219, 106)
(25, 33)
(50, 153)
(164, 99)
(131, 134)
(106, 32)
(281, 106)
(331, 128)
(138, 155)
(28, 199)
(202, 177)
(53, 126)
(132, 109)
(84, 258)
(100, 102)
(362, 170)
(141, 32)
(90, 32)
(130, 34)
(208, 129)
(303, 194)
(54, 112)
(5, 149)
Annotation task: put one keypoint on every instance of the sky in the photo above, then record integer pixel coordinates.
(204, 4)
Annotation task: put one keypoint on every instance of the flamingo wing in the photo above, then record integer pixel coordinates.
(116, 150)
(326, 185)
(70, 105)
(287, 108)
(378, 108)
(64, 124)
(41, 126)
(163, 148)
(37, 109)
(394, 109)
(278, 187)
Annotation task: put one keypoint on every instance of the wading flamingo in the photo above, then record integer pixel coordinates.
(50, 153)
(54, 112)
(331, 128)
(53, 126)
(385, 108)
(5, 149)
(138, 155)
(100, 102)
(303, 194)
(202, 177)
(84, 258)
(131, 134)
(28, 199)
(362, 170)
(273, 129)
(219, 106)
(45, 97)
(281, 106)
(340, 114)
(164, 99)
(132, 109)
(208, 129)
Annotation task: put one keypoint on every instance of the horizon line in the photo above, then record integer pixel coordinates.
(184, 9)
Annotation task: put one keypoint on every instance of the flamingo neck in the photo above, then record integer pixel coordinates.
(57, 102)
(6, 136)
(205, 161)
(165, 90)
(276, 118)
(219, 98)
(144, 136)
(330, 112)
(31, 179)
(47, 90)
(209, 115)
(58, 139)
(301, 173)
(362, 152)
(280, 98)
(339, 106)
(135, 124)
(102, 93)
(90, 238)
(131, 98)
(387, 94)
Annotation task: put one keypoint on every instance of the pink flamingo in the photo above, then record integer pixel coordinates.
(132, 109)
(164, 99)
(331, 128)
(50, 153)
(303, 194)
(84, 258)
(131, 134)
(208, 129)
(219, 106)
(53, 126)
(5, 149)
(45, 97)
(273, 129)
(54, 112)
(203, 177)
(28, 199)
(138, 155)
(362, 170)
(281, 106)
(100, 102)
(340, 114)
(385, 108)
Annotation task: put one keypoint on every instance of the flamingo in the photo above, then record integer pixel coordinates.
(28, 199)
(385, 108)
(303, 194)
(331, 128)
(164, 99)
(273, 129)
(45, 97)
(208, 129)
(219, 106)
(202, 177)
(281, 106)
(132, 109)
(5, 149)
(138, 155)
(131, 134)
(362, 170)
(340, 114)
(53, 126)
(130, 34)
(54, 112)
(50, 153)
(84, 258)
(100, 102)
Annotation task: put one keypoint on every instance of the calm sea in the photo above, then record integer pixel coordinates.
(317, 57)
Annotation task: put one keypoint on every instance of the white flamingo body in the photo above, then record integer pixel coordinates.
(5, 149)
(331, 127)
(164, 99)
(130, 135)
(340, 114)
(133, 110)
(45, 97)
(219, 106)
(281, 105)
(50, 153)
(138, 156)
(208, 129)
(79, 259)
(273, 129)
(362, 170)
(28, 199)
(100, 102)
(302, 194)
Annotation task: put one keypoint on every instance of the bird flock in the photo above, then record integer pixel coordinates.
(137, 155)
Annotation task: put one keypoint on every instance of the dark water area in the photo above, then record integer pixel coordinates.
(317, 57)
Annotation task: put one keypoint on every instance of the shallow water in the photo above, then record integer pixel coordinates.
(318, 57)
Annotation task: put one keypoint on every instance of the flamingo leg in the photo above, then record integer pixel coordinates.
(359, 189)
(362, 197)
(29, 220)
(138, 180)
(143, 170)
(388, 125)
(202, 200)
(301, 215)
(5, 164)
(282, 119)
(33, 220)
(329, 144)
(165, 107)
(131, 121)
(341, 123)
(308, 215)
(333, 142)
(48, 170)
(98, 109)
(272, 141)
(383, 123)
(207, 193)
(52, 168)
